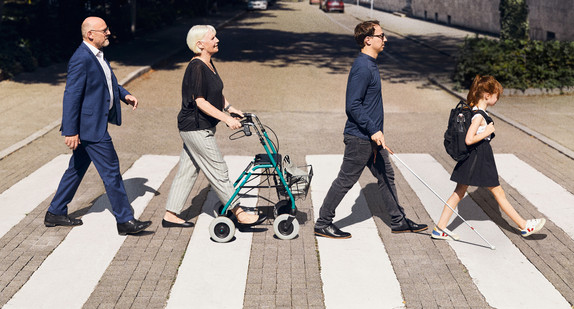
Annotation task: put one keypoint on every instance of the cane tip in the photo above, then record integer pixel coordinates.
(493, 247)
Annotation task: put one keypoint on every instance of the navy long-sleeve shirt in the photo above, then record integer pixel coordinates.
(364, 101)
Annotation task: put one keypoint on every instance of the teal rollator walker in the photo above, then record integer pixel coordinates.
(268, 170)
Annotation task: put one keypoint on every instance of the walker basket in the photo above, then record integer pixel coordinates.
(298, 179)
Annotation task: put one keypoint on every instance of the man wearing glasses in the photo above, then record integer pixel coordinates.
(91, 100)
(364, 139)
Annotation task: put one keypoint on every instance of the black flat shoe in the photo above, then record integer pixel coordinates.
(331, 231)
(51, 220)
(166, 223)
(259, 221)
(132, 227)
(409, 226)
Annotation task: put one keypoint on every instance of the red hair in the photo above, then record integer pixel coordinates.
(483, 85)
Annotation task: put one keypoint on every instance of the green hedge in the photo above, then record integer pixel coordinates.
(516, 64)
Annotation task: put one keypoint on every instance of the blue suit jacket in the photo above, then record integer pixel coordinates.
(86, 98)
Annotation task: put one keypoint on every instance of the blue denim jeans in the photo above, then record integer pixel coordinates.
(358, 155)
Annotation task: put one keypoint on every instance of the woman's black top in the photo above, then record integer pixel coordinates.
(199, 81)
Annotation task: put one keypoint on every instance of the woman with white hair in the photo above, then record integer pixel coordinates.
(203, 106)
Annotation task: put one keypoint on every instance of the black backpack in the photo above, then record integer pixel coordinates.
(455, 134)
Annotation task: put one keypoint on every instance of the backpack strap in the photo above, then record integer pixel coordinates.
(487, 118)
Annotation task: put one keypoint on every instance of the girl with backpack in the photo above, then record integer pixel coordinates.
(479, 168)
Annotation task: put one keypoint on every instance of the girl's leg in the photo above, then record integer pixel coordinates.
(500, 197)
(453, 201)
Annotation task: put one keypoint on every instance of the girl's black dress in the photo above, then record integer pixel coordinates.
(479, 169)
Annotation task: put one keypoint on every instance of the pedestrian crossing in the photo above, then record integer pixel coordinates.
(15, 203)
(360, 261)
(68, 276)
(227, 262)
(548, 196)
(488, 270)
(214, 275)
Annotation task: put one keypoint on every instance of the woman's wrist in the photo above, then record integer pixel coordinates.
(225, 109)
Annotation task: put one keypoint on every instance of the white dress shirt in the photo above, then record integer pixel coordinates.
(100, 56)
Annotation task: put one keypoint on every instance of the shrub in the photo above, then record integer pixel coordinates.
(516, 64)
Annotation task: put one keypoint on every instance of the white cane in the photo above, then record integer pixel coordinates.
(417, 176)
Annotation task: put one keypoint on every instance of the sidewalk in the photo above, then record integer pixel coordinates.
(40, 93)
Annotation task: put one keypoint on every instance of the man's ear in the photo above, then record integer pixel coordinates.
(367, 41)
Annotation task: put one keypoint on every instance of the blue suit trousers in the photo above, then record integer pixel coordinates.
(106, 161)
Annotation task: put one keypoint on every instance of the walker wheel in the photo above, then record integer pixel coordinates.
(221, 229)
(285, 230)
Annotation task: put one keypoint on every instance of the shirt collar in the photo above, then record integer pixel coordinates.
(93, 49)
(363, 55)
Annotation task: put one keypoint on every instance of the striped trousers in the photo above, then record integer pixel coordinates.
(200, 152)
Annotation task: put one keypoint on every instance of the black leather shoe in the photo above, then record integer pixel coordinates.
(262, 218)
(166, 223)
(132, 227)
(51, 220)
(331, 231)
(409, 226)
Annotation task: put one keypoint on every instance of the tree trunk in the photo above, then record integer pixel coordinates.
(1, 12)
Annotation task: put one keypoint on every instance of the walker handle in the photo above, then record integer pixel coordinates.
(245, 122)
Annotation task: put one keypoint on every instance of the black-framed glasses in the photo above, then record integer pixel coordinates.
(380, 36)
(102, 31)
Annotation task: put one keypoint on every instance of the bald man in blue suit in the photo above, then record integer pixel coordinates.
(91, 101)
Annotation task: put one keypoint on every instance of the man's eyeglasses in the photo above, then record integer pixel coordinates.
(380, 36)
(103, 31)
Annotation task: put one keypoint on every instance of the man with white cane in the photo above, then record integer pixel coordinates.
(364, 139)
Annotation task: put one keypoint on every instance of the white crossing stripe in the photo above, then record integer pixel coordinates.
(356, 272)
(69, 275)
(214, 275)
(17, 201)
(549, 197)
(504, 276)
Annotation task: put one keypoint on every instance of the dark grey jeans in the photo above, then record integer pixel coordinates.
(358, 155)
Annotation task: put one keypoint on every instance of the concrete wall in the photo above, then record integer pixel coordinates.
(474, 14)
(387, 5)
(554, 16)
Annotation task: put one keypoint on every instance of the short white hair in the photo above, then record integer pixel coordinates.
(195, 34)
